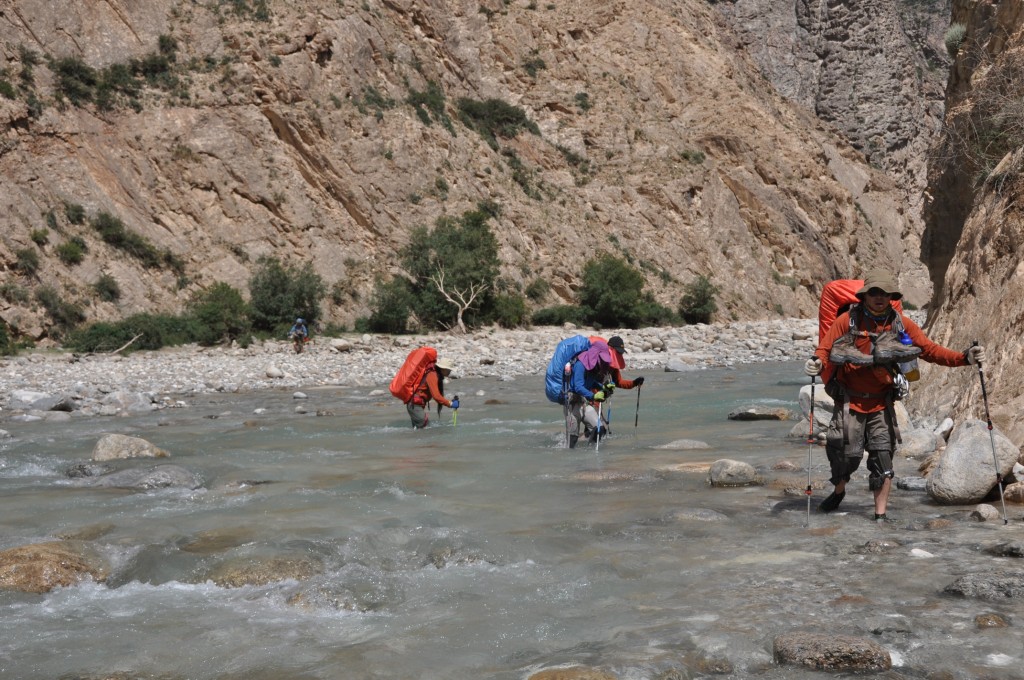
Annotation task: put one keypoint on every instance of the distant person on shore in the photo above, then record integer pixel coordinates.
(299, 334)
(859, 360)
(589, 385)
(431, 387)
(298, 329)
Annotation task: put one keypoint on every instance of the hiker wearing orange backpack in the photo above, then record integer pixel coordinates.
(859, 359)
(431, 387)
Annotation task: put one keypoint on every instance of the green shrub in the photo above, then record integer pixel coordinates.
(558, 315)
(954, 38)
(533, 65)
(279, 293)
(391, 303)
(7, 90)
(72, 251)
(494, 118)
(107, 289)
(7, 347)
(113, 232)
(612, 290)
(154, 331)
(698, 302)
(537, 289)
(40, 237)
(75, 213)
(430, 101)
(582, 100)
(465, 251)
(14, 293)
(509, 310)
(51, 219)
(65, 315)
(75, 79)
(26, 261)
(221, 315)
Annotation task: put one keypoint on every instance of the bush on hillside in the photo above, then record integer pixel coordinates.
(279, 293)
(72, 251)
(698, 302)
(494, 118)
(107, 289)
(509, 310)
(65, 315)
(7, 346)
(153, 330)
(220, 315)
(558, 315)
(463, 251)
(954, 38)
(391, 304)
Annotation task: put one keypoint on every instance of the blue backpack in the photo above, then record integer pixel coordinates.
(555, 377)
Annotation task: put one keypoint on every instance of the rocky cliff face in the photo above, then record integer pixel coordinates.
(323, 132)
(874, 70)
(976, 226)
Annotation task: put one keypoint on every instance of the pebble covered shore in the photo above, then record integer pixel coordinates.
(107, 384)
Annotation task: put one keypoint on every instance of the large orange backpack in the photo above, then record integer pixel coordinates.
(836, 298)
(410, 375)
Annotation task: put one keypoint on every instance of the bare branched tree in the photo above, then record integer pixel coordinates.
(462, 299)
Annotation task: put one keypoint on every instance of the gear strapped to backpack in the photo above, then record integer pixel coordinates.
(839, 296)
(412, 373)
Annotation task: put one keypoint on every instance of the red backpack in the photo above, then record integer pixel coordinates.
(837, 297)
(410, 375)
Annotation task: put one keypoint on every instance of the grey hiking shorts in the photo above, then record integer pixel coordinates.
(868, 432)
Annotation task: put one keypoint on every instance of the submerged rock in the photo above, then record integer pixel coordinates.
(261, 571)
(987, 586)
(158, 477)
(831, 652)
(41, 567)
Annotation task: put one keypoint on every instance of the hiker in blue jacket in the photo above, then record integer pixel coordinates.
(589, 385)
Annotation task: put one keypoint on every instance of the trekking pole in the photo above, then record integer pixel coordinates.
(597, 440)
(991, 437)
(636, 418)
(810, 443)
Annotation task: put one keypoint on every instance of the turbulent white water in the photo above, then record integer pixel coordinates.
(483, 549)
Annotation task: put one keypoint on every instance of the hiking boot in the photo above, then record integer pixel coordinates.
(844, 351)
(889, 349)
(832, 502)
(883, 518)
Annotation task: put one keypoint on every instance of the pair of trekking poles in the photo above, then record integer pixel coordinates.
(600, 419)
(991, 437)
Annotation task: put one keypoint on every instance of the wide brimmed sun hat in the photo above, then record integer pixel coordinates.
(444, 364)
(881, 279)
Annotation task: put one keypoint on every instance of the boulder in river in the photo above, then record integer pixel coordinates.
(831, 652)
(41, 567)
(120, 446)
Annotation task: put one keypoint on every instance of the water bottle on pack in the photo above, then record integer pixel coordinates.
(909, 368)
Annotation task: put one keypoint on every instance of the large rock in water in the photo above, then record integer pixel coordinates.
(118, 446)
(966, 472)
(831, 652)
(41, 567)
(727, 472)
(156, 477)
(988, 586)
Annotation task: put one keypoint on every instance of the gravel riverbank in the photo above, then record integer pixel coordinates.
(56, 383)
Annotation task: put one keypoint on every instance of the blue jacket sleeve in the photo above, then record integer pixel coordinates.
(578, 381)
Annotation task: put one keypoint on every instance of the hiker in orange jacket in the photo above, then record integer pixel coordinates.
(618, 348)
(859, 364)
(431, 387)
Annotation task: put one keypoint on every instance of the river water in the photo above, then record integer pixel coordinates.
(483, 548)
